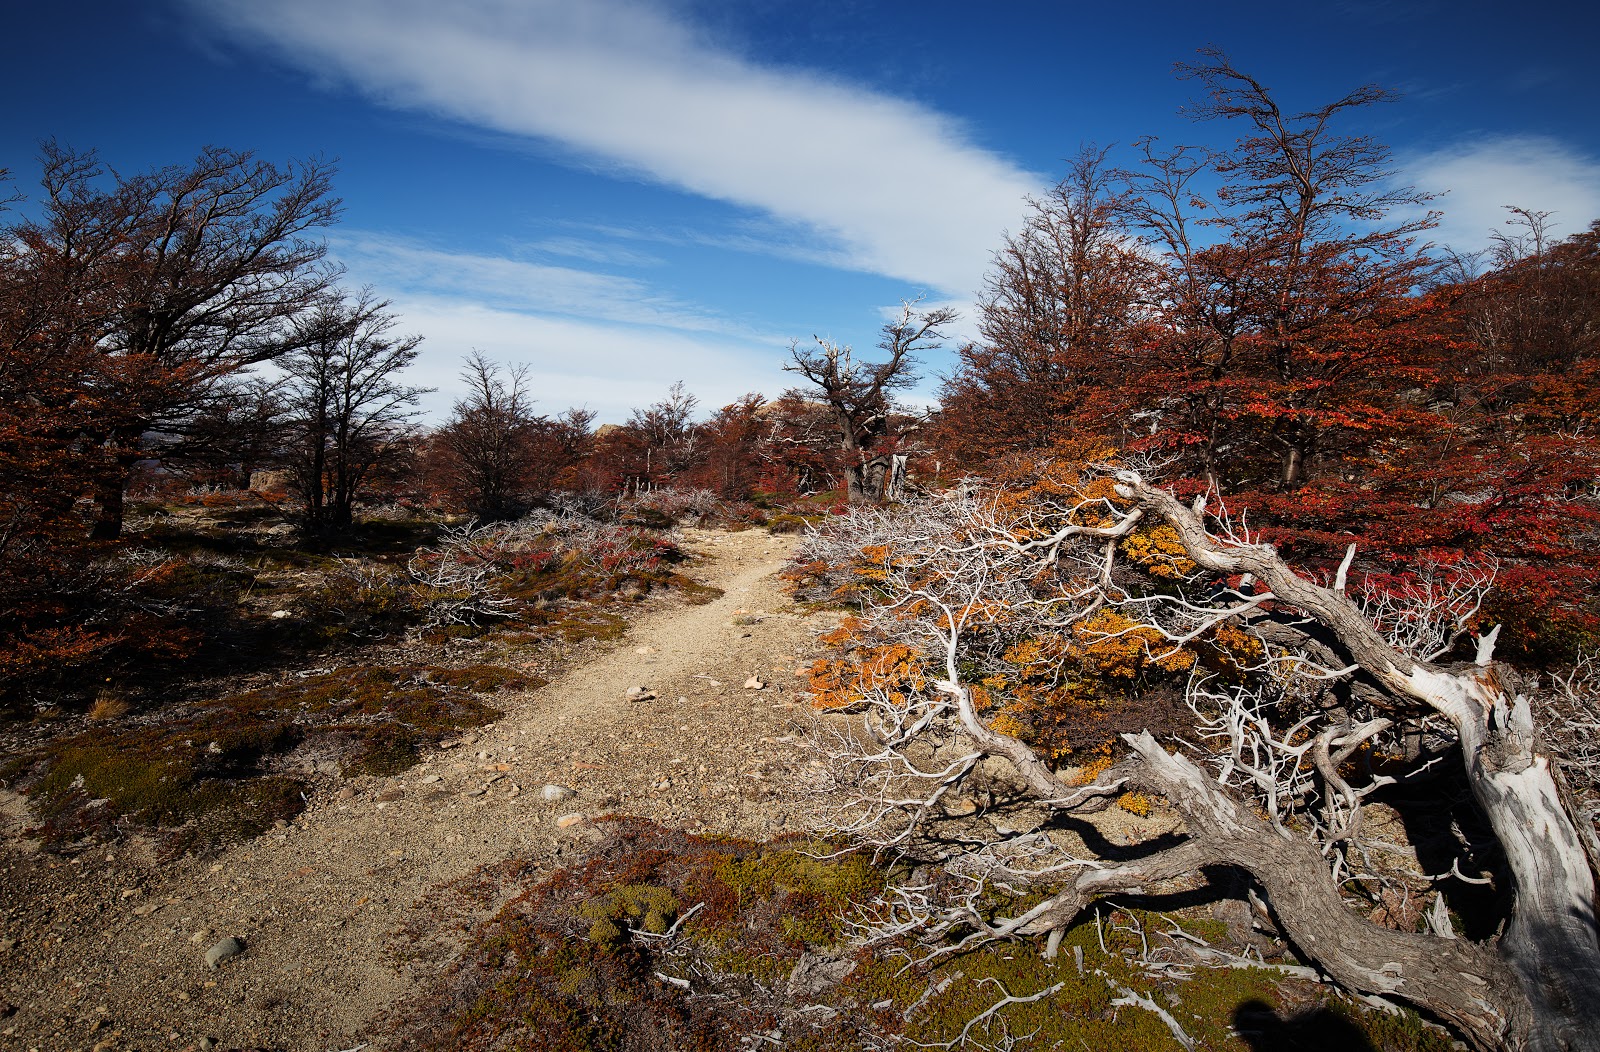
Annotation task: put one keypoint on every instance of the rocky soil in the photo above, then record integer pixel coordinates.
(107, 948)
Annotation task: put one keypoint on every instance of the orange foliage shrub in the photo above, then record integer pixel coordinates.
(863, 666)
(1159, 551)
(1117, 647)
(1064, 691)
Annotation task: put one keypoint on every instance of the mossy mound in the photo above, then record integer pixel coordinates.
(578, 961)
(631, 907)
(201, 792)
(204, 774)
(571, 963)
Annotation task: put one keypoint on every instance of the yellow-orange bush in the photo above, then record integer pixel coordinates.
(1096, 766)
(1135, 804)
(1119, 647)
(1160, 551)
(862, 666)
(1230, 651)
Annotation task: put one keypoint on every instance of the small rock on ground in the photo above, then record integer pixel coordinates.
(223, 950)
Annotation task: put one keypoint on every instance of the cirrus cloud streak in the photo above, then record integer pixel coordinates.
(897, 188)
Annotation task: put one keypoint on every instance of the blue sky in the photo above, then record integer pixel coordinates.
(622, 194)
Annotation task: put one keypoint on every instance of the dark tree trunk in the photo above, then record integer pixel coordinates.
(109, 501)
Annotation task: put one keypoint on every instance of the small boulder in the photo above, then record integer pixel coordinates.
(755, 683)
(812, 975)
(570, 821)
(639, 694)
(553, 794)
(223, 950)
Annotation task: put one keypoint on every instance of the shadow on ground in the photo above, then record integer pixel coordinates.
(1318, 1030)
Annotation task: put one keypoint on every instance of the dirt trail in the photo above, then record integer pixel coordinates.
(319, 903)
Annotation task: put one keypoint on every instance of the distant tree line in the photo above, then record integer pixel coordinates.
(186, 324)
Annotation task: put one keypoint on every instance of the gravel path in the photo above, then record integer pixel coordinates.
(107, 950)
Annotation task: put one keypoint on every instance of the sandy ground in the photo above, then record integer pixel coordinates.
(106, 949)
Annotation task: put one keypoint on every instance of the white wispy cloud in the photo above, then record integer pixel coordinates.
(609, 342)
(895, 187)
(396, 264)
(610, 368)
(597, 252)
(1478, 179)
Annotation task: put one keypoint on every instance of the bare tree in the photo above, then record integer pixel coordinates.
(860, 394)
(669, 438)
(1315, 682)
(344, 405)
(489, 439)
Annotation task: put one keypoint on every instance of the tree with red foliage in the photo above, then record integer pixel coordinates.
(1246, 314)
(54, 390)
(731, 443)
(1502, 459)
(1284, 316)
(798, 451)
(1290, 347)
(1062, 300)
(187, 276)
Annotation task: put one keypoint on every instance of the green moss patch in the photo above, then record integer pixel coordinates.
(203, 775)
(570, 963)
(577, 961)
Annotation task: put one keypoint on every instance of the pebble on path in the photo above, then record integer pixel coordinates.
(223, 950)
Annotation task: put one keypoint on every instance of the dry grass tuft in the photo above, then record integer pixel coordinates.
(109, 705)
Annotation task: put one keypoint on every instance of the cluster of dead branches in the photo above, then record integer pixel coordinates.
(1327, 705)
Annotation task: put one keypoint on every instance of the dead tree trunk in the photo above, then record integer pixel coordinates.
(1550, 943)
(955, 575)
(1458, 981)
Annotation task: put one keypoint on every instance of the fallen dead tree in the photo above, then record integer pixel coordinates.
(1326, 699)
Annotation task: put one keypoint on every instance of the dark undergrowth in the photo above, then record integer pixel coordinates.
(142, 723)
(661, 940)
